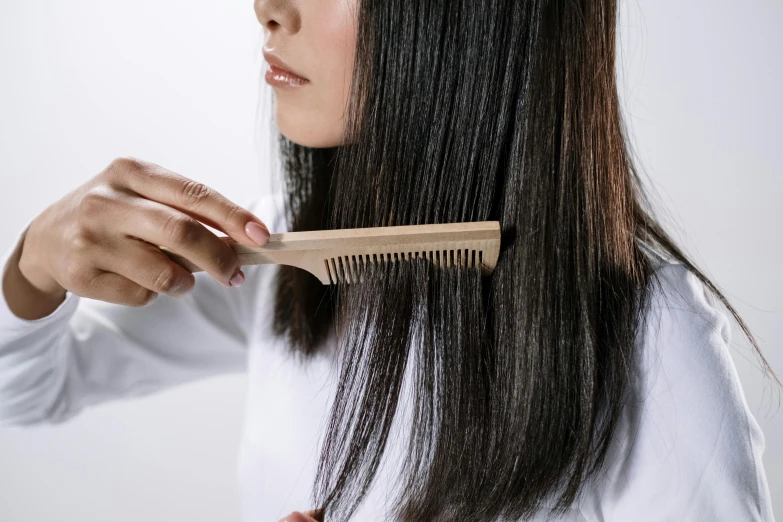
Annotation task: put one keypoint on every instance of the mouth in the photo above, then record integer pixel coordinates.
(279, 73)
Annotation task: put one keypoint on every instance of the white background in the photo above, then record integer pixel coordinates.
(177, 83)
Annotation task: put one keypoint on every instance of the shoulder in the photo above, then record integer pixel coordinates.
(682, 321)
(684, 332)
(687, 446)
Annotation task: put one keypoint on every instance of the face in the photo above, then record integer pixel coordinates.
(309, 51)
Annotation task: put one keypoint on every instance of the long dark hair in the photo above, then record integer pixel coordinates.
(467, 111)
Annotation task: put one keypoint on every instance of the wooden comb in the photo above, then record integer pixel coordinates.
(340, 256)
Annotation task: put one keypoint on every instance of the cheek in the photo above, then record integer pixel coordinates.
(314, 116)
(333, 41)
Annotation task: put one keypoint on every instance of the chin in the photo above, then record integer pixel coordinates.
(308, 130)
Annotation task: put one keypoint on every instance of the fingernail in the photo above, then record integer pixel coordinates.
(238, 279)
(257, 233)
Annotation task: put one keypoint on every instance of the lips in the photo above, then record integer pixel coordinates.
(279, 73)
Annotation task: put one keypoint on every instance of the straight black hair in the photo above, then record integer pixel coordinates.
(468, 111)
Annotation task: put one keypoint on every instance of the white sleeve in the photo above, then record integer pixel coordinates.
(89, 351)
(692, 448)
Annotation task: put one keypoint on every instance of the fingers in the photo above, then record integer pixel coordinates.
(159, 225)
(146, 266)
(195, 199)
(317, 515)
(296, 516)
(113, 288)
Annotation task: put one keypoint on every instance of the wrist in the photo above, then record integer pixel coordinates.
(33, 272)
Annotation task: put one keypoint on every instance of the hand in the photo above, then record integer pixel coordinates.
(102, 240)
(309, 516)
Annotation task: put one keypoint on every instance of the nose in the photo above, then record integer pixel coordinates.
(274, 15)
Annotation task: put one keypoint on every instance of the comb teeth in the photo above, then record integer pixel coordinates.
(351, 268)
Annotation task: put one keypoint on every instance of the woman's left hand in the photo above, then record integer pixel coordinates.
(296, 516)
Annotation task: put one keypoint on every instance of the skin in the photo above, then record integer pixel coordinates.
(317, 39)
(102, 240)
(297, 516)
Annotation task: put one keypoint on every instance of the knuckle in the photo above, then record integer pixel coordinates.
(181, 229)
(236, 213)
(129, 162)
(165, 281)
(93, 204)
(122, 164)
(79, 241)
(143, 297)
(74, 263)
(74, 274)
(121, 169)
(114, 165)
(193, 193)
(226, 262)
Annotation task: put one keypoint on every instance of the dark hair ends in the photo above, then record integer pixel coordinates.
(466, 111)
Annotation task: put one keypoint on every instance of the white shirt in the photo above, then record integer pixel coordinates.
(686, 449)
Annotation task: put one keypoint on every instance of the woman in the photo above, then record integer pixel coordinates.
(588, 378)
